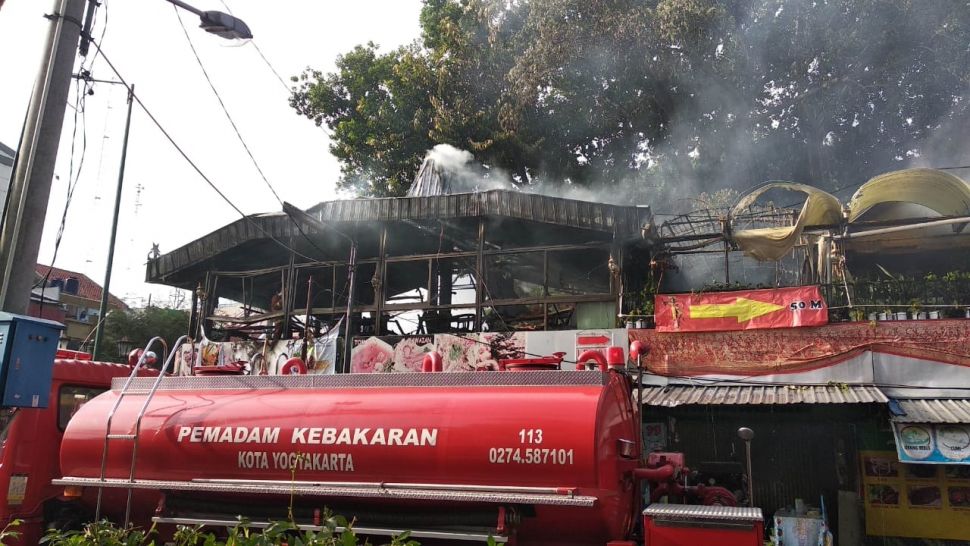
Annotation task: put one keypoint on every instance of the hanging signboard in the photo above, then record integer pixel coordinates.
(654, 437)
(741, 310)
(941, 443)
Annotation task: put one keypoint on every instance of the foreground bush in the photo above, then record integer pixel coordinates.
(105, 533)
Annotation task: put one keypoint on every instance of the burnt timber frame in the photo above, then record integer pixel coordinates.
(594, 227)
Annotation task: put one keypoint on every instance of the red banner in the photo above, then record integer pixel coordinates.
(796, 350)
(741, 310)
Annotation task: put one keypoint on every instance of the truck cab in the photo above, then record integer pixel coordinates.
(30, 441)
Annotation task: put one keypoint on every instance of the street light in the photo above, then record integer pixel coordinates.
(747, 435)
(218, 23)
(125, 346)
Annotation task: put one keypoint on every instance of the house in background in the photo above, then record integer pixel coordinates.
(71, 298)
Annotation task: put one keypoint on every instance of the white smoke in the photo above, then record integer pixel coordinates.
(464, 174)
(450, 158)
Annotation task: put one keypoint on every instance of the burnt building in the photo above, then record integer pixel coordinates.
(424, 264)
(479, 274)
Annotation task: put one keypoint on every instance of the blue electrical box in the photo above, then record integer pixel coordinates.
(27, 349)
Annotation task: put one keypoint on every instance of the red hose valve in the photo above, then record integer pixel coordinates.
(294, 366)
(431, 362)
(638, 350)
(135, 354)
(591, 355)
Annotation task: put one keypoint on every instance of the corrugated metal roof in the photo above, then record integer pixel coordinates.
(705, 513)
(619, 220)
(934, 410)
(680, 395)
(623, 220)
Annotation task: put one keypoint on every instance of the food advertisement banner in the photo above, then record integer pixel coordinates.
(466, 352)
(943, 443)
(740, 310)
(915, 500)
(475, 351)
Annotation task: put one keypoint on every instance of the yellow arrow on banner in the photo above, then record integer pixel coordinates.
(742, 308)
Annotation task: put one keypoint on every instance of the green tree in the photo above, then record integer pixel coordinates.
(379, 110)
(140, 325)
(660, 98)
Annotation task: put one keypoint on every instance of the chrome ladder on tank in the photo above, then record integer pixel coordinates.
(135, 430)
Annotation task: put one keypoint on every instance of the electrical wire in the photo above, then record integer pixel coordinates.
(192, 163)
(80, 102)
(225, 110)
(79, 107)
(235, 128)
(285, 88)
(104, 29)
(282, 80)
(265, 60)
(260, 51)
(74, 178)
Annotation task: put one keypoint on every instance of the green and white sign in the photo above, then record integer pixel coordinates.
(937, 443)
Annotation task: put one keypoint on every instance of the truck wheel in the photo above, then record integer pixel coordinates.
(64, 516)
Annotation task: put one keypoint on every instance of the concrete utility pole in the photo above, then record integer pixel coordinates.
(30, 186)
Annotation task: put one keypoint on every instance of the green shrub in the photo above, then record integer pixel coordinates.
(8, 532)
(335, 531)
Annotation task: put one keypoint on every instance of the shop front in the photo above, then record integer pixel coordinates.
(916, 471)
(803, 455)
(887, 471)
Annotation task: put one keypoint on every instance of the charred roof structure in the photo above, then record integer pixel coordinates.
(429, 263)
(446, 259)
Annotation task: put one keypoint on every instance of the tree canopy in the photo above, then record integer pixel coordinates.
(654, 100)
(140, 325)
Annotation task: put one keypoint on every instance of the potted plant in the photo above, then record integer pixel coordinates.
(643, 315)
(647, 312)
(915, 310)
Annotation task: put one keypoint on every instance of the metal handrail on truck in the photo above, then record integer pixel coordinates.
(132, 435)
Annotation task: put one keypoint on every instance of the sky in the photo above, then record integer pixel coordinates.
(164, 201)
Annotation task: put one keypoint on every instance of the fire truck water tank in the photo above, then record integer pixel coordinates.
(549, 451)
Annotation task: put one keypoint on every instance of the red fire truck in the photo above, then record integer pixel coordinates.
(30, 440)
(533, 455)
